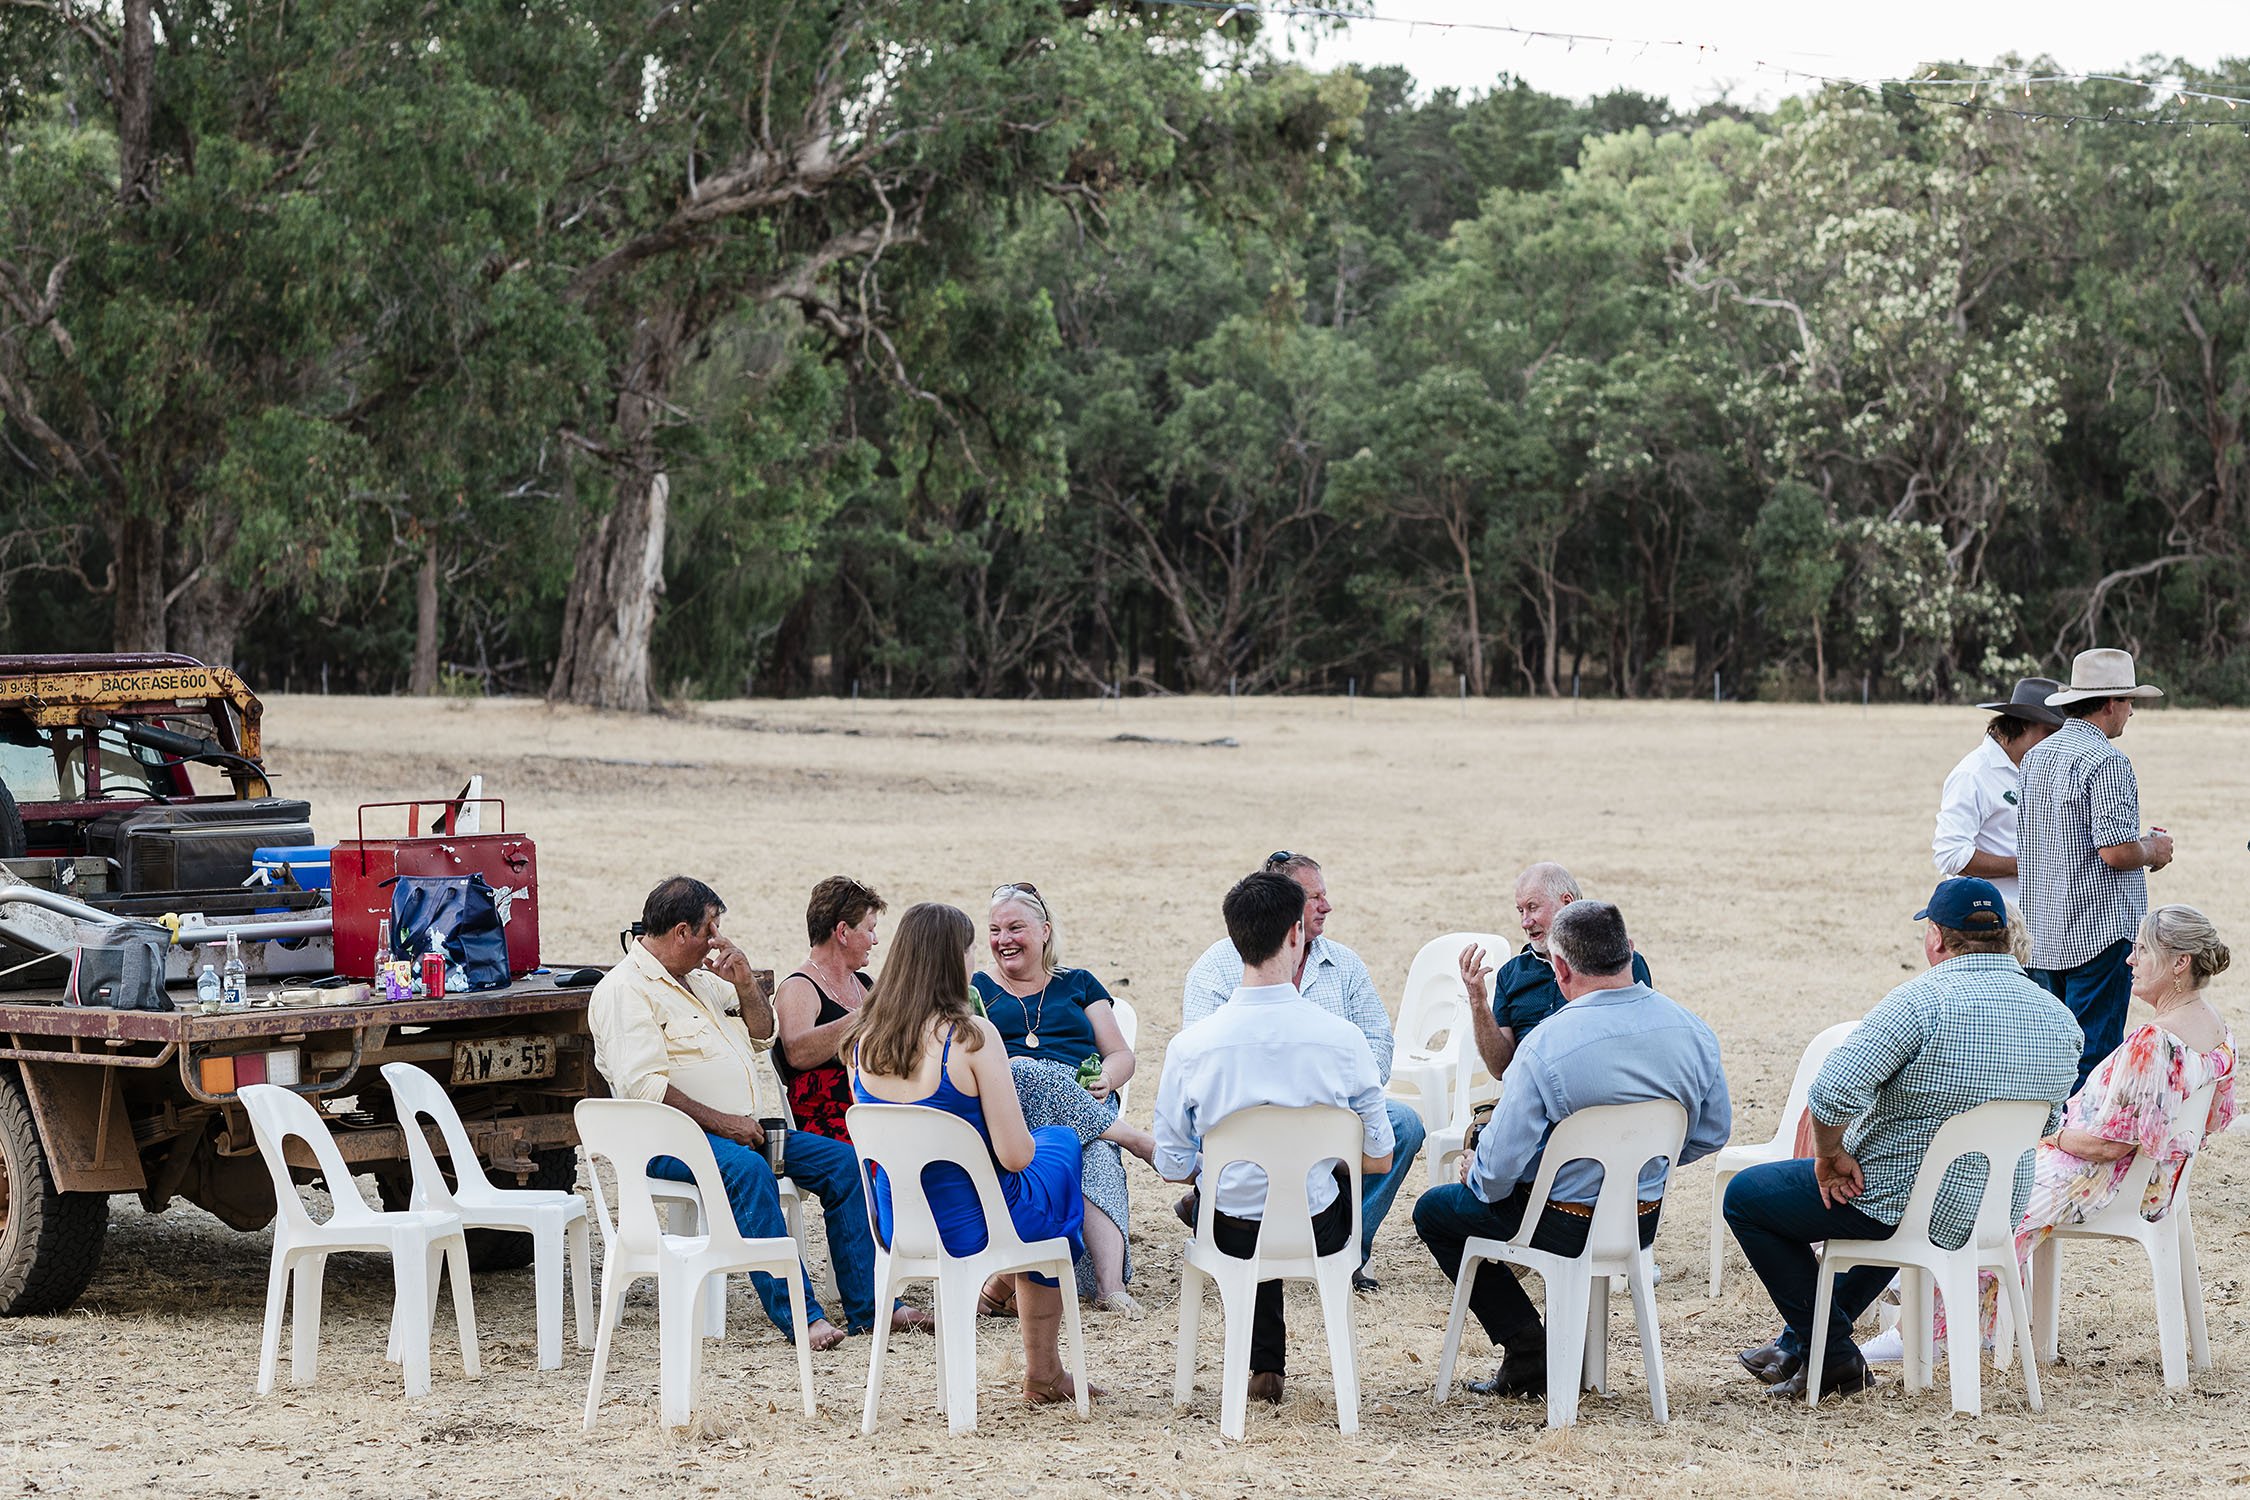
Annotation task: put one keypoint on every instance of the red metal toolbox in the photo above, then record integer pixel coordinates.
(507, 861)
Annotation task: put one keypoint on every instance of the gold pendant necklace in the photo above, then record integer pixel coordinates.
(1031, 1022)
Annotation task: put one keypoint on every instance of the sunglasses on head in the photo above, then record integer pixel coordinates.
(1278, 858)
(1016, 887)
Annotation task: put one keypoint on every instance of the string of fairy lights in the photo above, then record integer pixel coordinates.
(1987, 92)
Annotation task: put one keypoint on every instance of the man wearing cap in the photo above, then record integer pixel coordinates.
(1976, 821)
(2082, 853)
(1969, 1030)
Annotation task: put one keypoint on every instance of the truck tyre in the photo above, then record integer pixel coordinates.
(14, 842)
(504, 1249)
(50, 1242)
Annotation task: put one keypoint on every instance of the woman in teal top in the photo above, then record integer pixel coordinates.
(1069, 1060)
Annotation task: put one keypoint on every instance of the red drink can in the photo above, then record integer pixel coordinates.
(433, 974)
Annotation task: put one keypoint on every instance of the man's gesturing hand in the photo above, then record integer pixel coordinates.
(1471, 964)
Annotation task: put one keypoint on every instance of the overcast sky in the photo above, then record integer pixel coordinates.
(1858, 40)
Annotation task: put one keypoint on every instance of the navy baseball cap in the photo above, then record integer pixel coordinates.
(1966, 904)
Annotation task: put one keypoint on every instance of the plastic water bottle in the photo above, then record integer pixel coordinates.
(207, 984)
(234, 979)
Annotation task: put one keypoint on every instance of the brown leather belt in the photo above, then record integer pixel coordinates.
(1586, 1210)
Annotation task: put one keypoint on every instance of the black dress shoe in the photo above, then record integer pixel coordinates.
(1265, 1385)
(1771, 1363)
(1838, 1377)
(1185, 1209)
(1362, 1282)
(1519, 1376)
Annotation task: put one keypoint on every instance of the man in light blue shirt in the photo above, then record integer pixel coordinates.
(1332, 977)
(1615, 1041)
(1267, 1045)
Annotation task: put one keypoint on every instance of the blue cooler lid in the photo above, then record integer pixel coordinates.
(309, 863)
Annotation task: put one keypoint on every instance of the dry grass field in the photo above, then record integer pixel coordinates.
(1767, 859)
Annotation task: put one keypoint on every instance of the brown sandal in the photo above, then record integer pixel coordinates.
(1039, 1393)
(997, 1304)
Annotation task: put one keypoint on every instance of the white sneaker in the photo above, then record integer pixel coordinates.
(1886, 1348)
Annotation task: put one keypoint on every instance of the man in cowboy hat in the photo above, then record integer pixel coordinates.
(2082, 853)
(1976, 821)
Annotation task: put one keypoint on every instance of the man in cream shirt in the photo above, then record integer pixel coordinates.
(683, 1021)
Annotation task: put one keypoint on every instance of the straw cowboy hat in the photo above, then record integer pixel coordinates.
(2102, 674)
(2029, 702)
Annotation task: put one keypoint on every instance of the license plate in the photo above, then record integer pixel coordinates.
(503, 1059)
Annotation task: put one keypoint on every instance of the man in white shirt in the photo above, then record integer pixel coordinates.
(1268, 1045)
(1976, 821)
(683, 1021)
(1334, 978)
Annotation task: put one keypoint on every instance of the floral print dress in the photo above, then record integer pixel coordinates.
(2139, 1095)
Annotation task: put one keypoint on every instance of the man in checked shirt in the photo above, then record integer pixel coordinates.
(1969, 1030)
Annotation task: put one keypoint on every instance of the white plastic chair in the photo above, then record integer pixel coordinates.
(1433, 1015)
(628, 1134)
(1782, 1147)
(2169, 1243)
(2000, 1132)
(681, 1208)
(1129, 1025)
(1622, 1138)
(1287, 1142)
(555, 1220)
(415, 1239)
(1473, 1085)
(903, 1139)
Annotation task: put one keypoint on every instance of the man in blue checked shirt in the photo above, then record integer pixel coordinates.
(1615, 1041)
(1970, 1030)
(1334, 978)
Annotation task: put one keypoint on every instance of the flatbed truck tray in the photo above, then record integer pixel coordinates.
(95, 1102)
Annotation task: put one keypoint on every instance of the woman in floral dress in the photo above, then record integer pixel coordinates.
(2136, 1100)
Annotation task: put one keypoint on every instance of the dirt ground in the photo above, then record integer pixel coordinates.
(1768, 860)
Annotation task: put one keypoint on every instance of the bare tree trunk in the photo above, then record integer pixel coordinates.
(609, 616)
(207, 618)
(137, 609)
(1820, 660)
(422, 679)
(136, 104)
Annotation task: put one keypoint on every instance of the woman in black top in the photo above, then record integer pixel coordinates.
(818, 1001)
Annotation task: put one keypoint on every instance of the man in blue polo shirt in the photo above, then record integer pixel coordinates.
(1616, 1041)
(1524, 992)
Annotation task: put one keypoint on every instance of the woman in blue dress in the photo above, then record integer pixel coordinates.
(917, 1040)
(1069, 1059)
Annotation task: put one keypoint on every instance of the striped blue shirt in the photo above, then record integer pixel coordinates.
(1965, 1032)
(2079, 797)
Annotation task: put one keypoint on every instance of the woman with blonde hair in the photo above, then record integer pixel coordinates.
(1069, 1059)
(916, 1040)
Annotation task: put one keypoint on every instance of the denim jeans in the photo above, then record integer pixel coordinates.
(827, 1169)
(2098, 992)
(1777, 1216)
(1377, 1194)
(1448, 1217)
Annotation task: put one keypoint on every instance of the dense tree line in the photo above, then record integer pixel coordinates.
(620, 349)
